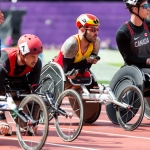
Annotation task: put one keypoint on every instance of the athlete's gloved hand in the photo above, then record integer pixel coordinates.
(72, 74)
(93, 59)
(1, 18)
(5, 129)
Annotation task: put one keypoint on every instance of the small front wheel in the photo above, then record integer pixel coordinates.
(131, 117)
(69, 122)
(32, 136)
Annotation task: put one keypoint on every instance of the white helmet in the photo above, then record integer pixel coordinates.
(133, 2)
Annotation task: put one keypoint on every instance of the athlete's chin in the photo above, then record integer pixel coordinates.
(31, 65)
(93, 40)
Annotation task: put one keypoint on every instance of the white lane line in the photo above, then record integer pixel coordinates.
(61, 145)
(112, 134)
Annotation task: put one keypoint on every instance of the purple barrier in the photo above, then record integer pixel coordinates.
(53, 22)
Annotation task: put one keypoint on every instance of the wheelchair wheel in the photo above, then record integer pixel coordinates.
(130, 118)
(69, 127)
(54, 84)
(147, 109)
(32, 137)
(91, 110)
(46, 84)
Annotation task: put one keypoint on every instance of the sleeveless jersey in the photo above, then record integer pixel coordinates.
(12, 56)
(140, 44)
(79, 55)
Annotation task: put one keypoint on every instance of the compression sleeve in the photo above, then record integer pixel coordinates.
(123, 42)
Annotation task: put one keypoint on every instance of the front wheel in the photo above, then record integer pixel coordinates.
(69, 126)
(32, 137)
(131, 117)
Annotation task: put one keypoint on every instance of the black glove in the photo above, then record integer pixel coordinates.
(70, 73)
(95, 57)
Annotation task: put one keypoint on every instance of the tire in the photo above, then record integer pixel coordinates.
(91, 110)
(31, 140)
(147, 109)
(130, 118)
(111, 108)
(55, 74)
(47, 84)
(68, 128)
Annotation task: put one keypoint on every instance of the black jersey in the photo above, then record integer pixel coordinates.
(134, 43)
(5, 68)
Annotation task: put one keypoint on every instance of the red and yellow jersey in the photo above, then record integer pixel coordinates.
(80, 56)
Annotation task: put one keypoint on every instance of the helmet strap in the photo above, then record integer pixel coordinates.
(22, 58)
(85, 36)
(138, 13)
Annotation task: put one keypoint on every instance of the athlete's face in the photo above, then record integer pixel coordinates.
(92, 33)
(31, 59)
(144, 10)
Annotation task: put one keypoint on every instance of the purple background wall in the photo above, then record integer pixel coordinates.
(63, 16)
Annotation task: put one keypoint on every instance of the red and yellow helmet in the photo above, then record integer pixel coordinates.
(30, 44)
(87, 20)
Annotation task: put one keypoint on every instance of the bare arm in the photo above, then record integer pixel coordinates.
(97, 46)
(69, 50)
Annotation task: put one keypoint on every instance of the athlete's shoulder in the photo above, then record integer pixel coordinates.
(70, 47)
(123, 28)
(97, 45)
(123, 32)
(98, 41)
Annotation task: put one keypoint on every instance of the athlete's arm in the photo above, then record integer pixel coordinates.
(34, 76)
(4, 68)
(96, 46)
(69, 50)
(123, 42)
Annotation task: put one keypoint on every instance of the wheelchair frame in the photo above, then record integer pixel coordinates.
(8, 104)
(104, 95)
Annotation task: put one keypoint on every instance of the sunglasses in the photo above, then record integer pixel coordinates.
(92, 29)
(145, 6)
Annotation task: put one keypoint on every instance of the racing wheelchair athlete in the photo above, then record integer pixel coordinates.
(71, 69)
(130, 39)
(20, 73)
(15, 64)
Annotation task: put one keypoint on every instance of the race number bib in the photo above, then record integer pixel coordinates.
(24, 48)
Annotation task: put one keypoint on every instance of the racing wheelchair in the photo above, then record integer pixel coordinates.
(26, 103)
(130, 75)
(128, 103)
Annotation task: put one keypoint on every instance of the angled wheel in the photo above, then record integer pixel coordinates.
(131, 117)
(91, 110)
(147, 108)
(32, 137)
(55, 83)
(69, 126)
(46, 84)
